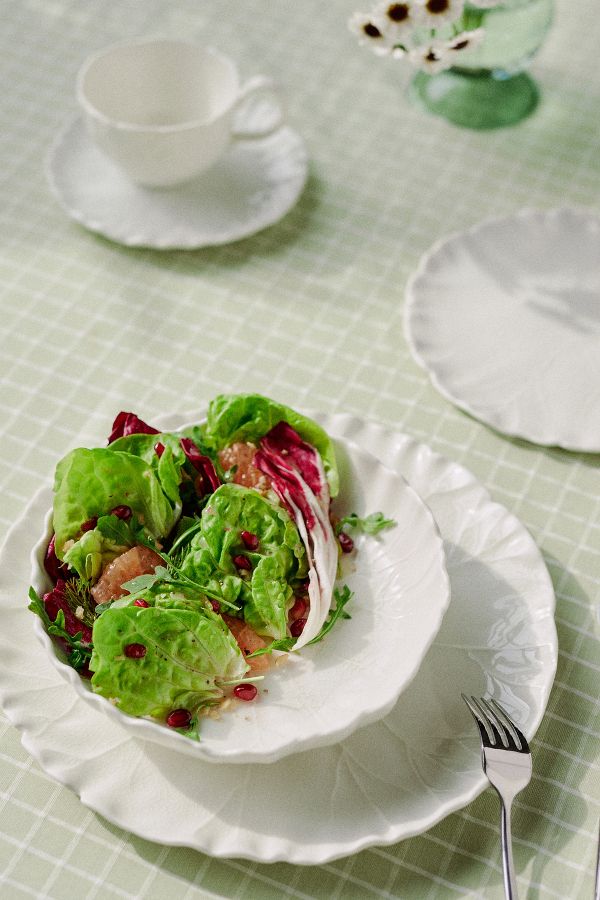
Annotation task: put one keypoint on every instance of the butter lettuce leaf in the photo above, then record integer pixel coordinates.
(265, 591)
(189, 656)
(99, 546)
(90, 483)
(248, 417)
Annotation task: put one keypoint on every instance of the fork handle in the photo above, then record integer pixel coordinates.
(510, 882)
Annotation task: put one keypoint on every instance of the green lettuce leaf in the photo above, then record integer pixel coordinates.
(99, 546)
(247, 417)
(90, 483)
(189, 656)
(265, 592)
(167, 466)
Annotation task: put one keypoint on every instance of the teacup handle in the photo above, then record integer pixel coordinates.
(257, 89)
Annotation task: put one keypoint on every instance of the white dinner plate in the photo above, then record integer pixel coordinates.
(505, 318)
(252, 186)
(324, 692)
(388, 781)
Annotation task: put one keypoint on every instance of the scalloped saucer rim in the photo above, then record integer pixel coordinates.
(251, 187)
(555, 422)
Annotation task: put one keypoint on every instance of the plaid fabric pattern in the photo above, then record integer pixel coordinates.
(309, 311)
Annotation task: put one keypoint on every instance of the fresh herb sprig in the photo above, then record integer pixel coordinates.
(171, 573)
(79, 652)
(79, 597)
(372, 524)
(342, 597)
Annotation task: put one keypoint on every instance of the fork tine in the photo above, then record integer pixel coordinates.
(498, 733)
(482, 722)
(516, 733)
(496, 722)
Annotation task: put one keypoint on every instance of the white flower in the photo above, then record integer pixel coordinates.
(432, 57)
(370, 33)
(398, 19)
(466, 40)
(440, 12)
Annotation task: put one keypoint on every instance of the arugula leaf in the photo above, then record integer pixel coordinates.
(171, 575)
(341, 597)
(145, 582)
(79, 652)
(284, 644)
(371, 524)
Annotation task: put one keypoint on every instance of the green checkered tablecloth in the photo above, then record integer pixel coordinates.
(309, 311)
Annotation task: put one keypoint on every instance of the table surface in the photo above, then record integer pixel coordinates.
(308, 311)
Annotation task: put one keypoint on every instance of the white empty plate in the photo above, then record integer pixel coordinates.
(252, 186)
(505, 317)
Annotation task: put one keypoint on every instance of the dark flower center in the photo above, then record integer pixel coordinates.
(398, 12)
(460, 45)
(371, 30)
(437, 6)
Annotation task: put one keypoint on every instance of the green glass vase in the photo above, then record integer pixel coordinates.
(491, 89)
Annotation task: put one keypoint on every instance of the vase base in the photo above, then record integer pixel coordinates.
(476, 99)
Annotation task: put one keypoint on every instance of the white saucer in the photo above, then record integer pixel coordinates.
(387, 781)
(251, 187)
(505, 317)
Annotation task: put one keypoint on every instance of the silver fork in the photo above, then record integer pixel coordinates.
(507, 764)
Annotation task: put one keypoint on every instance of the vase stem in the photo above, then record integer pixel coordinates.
(476, 98)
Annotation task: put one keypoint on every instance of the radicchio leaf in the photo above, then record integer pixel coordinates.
(128, 423)
(55, 601)
(53, 566)
(207, 480)
(298, 478)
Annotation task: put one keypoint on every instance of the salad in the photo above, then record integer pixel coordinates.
(183, 563)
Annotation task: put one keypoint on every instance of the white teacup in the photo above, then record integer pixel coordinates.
(164, 110)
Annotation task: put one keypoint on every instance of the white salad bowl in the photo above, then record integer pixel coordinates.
(354, 676)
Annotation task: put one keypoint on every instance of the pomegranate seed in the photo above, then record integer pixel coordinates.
(346, 542)
(122, 512)
(215, 605)
(159, 449)
(141, 602)
(179, 718)
(297, 627)
(250, 540)
(298, 609)
(134, 651)
(90, 524)
(245, 691)
(242, 562)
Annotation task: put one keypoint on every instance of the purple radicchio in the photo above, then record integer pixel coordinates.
(298, 478)
(128, 423)
(56, 600)
(207, 480)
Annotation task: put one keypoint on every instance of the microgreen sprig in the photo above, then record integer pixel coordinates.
(342, 597)
(372, 524)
